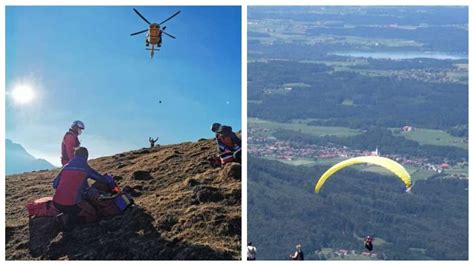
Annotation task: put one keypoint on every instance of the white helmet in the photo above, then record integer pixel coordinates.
(79, 124)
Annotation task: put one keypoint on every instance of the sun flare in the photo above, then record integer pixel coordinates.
(23, 94)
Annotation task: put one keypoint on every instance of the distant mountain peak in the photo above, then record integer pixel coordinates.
(19, 160)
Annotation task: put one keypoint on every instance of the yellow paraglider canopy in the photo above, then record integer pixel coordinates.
(386, 163)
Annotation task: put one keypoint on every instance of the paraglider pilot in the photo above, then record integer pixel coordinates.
(368, 243)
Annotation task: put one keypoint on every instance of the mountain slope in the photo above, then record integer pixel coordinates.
(184, 209)
(18, 160)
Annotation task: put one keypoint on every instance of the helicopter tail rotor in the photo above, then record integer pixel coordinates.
(152, 50)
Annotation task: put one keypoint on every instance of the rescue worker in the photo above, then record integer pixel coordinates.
(71, 141)
(368, 243)
(299, 255)
(251, 251)
(71, 186)
(228, 144)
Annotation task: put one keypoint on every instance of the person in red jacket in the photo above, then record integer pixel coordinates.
(71, 141)
(71, 186)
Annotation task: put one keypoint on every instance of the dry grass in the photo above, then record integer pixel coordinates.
(185, 209)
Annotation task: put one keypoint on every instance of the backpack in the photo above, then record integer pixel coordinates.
(112, 206)
(107, 202)
(42, 207)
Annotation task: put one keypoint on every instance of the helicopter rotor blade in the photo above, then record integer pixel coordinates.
(169, 17)
(138, 32)
(138, 13)
(169, 35)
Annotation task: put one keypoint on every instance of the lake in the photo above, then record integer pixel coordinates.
(402, 55)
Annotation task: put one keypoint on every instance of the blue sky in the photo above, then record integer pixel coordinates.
(82, 63)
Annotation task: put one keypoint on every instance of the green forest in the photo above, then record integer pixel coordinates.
(431, 222)
(374, 101)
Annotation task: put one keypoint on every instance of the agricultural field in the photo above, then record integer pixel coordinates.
(298, 161)
(328, 253)
(302, 127)
(416, 173)
(459, 170)
(433, 137)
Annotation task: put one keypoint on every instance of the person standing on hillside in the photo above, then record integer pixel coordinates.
(299, 255)
(251, 251)
(152, 141)
(71, 141)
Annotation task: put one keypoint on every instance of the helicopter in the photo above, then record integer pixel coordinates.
(154, 32)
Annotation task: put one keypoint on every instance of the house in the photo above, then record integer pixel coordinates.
(344, 251)
(408, 129)
(375, 153)
(444, 165)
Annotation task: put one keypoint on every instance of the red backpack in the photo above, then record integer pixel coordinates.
(42, 207)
